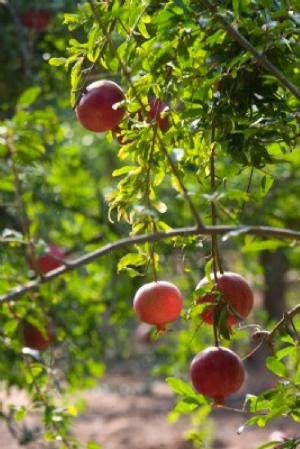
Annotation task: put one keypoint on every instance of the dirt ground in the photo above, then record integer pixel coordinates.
(123, 412)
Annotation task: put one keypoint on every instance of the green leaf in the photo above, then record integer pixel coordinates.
(56, 62)
(267, 445)
(92, 48)
(71, 18)
(256, 246)
(29, 96)
(133, 259)
(180, 387)
(208, 270)
(20, 413)
(93, 445)
(266, 183)
(161, 207)
(10, 326)
(132, 169)
(75, 79)
(143, 30)
(236, 7)
(276, 366)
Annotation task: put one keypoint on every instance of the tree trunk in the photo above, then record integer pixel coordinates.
(275, 265)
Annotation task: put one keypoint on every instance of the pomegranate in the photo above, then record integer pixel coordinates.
(52, 259)
(158, 303)
(96, 109)
(231, 289)
(33, 338)
(37, 20)
(217, 372)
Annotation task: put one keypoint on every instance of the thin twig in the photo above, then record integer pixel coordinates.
(267, 336)
(287, 316)
(152, 255)
(260, 57)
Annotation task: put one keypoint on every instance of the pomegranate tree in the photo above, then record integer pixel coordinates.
(217, 372)
(98, 109)
(231, 290)
(158, 303)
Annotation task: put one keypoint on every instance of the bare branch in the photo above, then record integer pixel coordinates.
(260, 57)
(287, 316)
(154, 237)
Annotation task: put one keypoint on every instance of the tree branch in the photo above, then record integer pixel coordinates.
(260, 57)
(266, 231)
(287, 316)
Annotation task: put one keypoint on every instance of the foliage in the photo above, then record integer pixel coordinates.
(230, 155)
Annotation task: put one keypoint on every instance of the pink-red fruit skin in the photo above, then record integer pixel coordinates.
(217, 372)
(37, 20)
(96, 110)
(234, 290)
(49, 261)
(158, 303)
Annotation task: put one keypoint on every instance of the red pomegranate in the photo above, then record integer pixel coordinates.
(37, 20)
(34, 339)
(158, 303)
(217, 372)
(97, 109)
(231, 289)
(52, 259)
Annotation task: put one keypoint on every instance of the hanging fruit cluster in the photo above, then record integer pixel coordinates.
(216, 372)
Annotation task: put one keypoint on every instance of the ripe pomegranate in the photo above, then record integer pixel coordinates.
(96, 110)
(37, 20)
(33, 338)
(234, 290)
(158, 303)
(217, 372)
(52, 259)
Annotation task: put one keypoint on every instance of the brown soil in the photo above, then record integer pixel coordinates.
(125, 413)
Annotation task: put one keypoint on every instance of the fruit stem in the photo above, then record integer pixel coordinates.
(154, 229)
(152, 256)
(215, 328)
